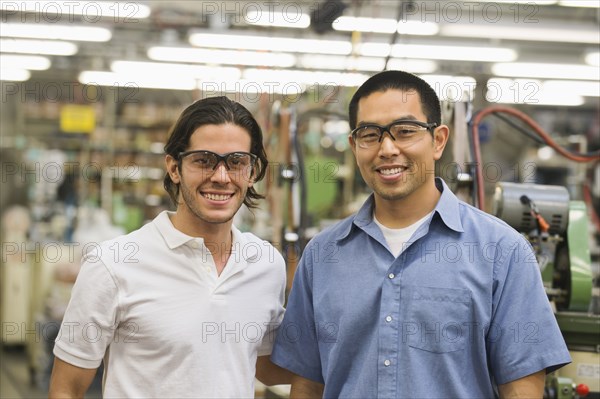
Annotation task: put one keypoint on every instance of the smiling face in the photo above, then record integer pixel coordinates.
(397, 171)
(211, 197)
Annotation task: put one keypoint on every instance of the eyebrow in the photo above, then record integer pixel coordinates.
(402, 118)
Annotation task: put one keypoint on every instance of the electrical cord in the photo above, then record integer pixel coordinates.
(480, 192)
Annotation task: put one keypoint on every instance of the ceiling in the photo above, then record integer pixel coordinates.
(170, 23)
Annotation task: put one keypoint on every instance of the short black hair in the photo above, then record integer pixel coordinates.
(398, 80)
(216, 111)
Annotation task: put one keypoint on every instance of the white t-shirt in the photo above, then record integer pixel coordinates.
(396, 238)
(150, 304)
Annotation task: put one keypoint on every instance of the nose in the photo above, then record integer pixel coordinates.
(220, 174)
(388, 147)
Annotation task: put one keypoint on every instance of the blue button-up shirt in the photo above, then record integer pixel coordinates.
(461, 310)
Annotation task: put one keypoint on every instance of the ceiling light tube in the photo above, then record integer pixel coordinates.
(365, 24)
(291, 77)
(579, 3)
(56, 32)
(576, 34)
(46, 47)
(266, 43)
(578, 87)
(527, 91)
(14, 74)
(452, 88)
(32, 62)
(457, 53)
(90, 10)
(384, 25)
(230, 57)
(170, 82)
(546, 71)
(283, 19)
(163, 69)
(341, 62)
(593, 58)
(414, 66)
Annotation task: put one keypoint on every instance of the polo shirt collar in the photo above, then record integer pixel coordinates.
(173, 237)
(447, 207)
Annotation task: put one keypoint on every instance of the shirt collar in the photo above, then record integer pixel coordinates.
(447, 207)
(173, 237)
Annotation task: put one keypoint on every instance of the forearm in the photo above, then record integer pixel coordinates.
(530, 387)
(271, 374)
(303, 388)
(68, 381)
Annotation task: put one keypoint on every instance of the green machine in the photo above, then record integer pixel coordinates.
(557, 228)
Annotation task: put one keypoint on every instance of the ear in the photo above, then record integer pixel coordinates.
(352, 145)
(440, 138)
(172, 169)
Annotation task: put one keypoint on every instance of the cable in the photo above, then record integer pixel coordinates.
(480, 192)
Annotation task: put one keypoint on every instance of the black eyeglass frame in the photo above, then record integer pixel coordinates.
(382, 129)
(220, 157)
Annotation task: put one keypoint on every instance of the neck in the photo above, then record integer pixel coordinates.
(400, 213)
(218, 237)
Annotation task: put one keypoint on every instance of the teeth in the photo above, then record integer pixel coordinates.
(390, 171)
(217, 197)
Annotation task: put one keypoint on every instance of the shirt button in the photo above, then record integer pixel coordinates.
(388, 318)
(387, 363)
(194, 244)
(207, 268)
(391, 275)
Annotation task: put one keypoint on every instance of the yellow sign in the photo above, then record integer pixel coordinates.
(77, 118)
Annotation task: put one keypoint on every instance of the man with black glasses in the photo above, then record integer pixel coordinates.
(187, 305)
(418, 295)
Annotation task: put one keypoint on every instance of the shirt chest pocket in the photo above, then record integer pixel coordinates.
(436, 320)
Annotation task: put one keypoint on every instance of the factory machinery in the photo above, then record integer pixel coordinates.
(558, 229)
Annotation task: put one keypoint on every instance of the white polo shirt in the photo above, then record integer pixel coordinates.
(151, 305)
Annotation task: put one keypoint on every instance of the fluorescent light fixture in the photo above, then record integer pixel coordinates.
(151, 81)
(56, 32)
(119, 11)
(14, 74)
(579, 3)
(457, 53)
(157, 69)
(574, 34)
(341, 62)
(546, 71)
(452, 88)
(365, 24)
(593, 58)
(298, 77)
(420, 28)
(231, 57)
(373, 49)
(35, 62)
(578, 87)
(532, 2)
(282, 18)
(47, 47)
(414, 66)
(384, 25)
(528, 91)
(265, 43)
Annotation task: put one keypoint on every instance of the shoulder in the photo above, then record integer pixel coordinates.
(335, 232)
(252, 245)
(474, 218)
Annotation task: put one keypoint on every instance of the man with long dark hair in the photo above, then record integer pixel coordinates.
(187, 305)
